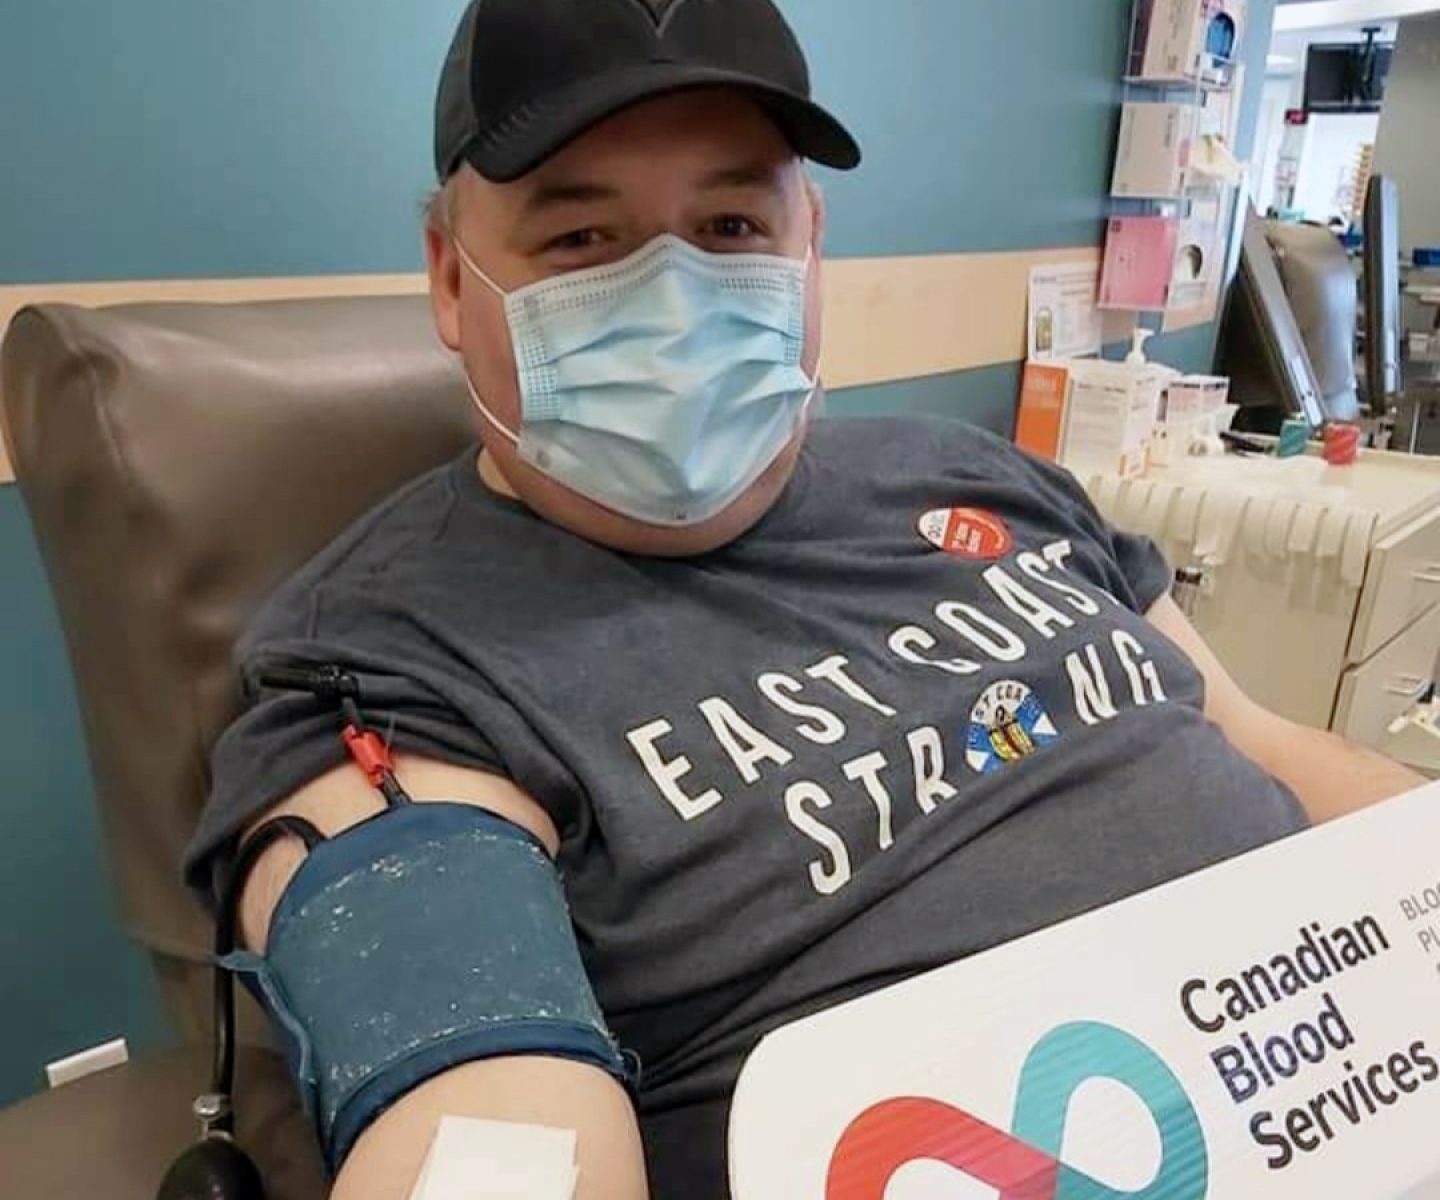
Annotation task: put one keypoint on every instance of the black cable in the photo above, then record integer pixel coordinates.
(215, 1167)
(353, 715)
(395, 795)
(338, 685)
(222, 1073)
(324, 683)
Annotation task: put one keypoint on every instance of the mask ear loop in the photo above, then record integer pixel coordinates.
(485, 412)
(817, 385)
(474, 268)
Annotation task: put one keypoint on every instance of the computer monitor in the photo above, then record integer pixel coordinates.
(1383, 380)
(1261, 348)
(1348, 78)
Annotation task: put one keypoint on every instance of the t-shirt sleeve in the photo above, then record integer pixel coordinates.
(1144, 567)
(284, 739)
(1140, 574)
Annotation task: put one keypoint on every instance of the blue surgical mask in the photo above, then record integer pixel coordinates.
(661, 386)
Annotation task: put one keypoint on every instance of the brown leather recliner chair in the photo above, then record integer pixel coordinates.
(178, 462)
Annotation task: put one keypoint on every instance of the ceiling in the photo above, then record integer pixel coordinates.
(1295, 15)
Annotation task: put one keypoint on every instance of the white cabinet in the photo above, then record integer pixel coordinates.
(1322, 585)
(1387, 685)
(1402, 585)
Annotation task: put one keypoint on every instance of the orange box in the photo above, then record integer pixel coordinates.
(1044, 391)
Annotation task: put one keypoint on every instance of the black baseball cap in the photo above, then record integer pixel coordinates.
(524, 78)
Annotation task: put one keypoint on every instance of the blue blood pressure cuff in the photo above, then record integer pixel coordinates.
(430, 936)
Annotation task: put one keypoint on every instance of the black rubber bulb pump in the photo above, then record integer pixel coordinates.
(212, 1169)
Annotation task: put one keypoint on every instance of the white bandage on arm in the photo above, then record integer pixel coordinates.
(497, 1160)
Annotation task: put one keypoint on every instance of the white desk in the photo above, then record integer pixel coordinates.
(1325, 606)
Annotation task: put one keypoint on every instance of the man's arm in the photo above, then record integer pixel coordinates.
(386, 1160)
(1330, 776)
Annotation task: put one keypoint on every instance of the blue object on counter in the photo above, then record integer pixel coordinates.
(1427, 257)
(1294, 437)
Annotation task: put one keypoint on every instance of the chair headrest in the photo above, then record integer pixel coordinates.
(179, 461)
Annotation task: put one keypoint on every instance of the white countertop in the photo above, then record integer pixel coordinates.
(1397, 488)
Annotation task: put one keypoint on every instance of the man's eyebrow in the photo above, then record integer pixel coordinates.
(756, 174)
(560, 192)
(563, 191)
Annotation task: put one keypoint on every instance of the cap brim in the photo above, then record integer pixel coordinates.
(540, 131)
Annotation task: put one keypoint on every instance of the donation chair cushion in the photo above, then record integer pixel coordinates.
(179, 461)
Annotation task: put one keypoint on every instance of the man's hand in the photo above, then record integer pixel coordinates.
(1331, 777)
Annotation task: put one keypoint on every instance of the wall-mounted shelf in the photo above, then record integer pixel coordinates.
(1170, 151)
(1194, 42)
(1222, 83)
(1157, 264)
(1174, 173)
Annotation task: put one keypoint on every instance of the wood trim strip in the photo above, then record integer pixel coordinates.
(213, 291)
(887, 319)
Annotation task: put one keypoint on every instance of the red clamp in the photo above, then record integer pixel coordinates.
(370, 755)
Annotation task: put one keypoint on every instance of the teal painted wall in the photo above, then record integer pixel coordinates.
(166, 138)
(68, 979)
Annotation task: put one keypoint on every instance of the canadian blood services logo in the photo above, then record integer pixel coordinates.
(1025, 1164)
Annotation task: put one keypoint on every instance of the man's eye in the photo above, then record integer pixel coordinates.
(734, 227)
(579, 239)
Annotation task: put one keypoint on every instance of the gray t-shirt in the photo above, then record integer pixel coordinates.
(916, 712)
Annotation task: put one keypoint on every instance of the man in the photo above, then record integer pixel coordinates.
(799, 708)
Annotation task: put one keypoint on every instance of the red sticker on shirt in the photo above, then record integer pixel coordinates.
(967, 532)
